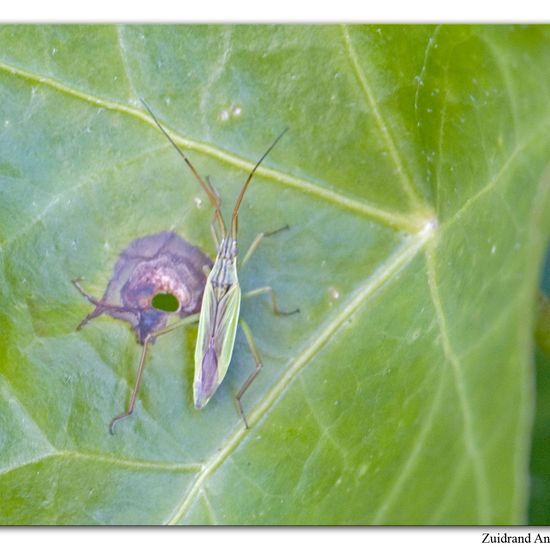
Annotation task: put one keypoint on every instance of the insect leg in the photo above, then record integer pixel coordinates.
(150, 337)
(252, 377)
(101, 307)
(179, 323)
(271, 292)
(214, 233)
(130, 409)
(258, 239)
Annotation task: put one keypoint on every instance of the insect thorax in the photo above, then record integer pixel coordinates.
(224, 272)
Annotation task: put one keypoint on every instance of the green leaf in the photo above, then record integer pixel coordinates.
(412, 178)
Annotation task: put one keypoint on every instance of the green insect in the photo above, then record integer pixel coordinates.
(219, 314)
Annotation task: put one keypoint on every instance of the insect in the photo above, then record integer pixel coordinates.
(155, 277)
(219, 314)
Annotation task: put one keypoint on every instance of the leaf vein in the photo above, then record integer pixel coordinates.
(505, 77)
(127, 463)
(406, 182)
(124, 59)
(209, 508)
(22, 409)
(412, 460)
(496, 178)
(419, 81)
(395, 220)
(403, 255)
(85, 180)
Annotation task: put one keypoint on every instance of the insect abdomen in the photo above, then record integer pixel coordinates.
(215, 341)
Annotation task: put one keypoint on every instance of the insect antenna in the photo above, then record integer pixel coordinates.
(234, 219)
(214, 199)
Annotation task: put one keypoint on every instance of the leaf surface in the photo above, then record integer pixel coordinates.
(412, 178)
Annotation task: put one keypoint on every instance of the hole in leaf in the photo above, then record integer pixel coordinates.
(165, 302)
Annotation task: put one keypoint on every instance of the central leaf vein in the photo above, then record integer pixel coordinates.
(392, 219)
(385, 272)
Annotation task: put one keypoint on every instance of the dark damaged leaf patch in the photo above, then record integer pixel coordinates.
(155, 265)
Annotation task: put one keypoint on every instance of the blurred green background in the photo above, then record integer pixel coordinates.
(539, 506)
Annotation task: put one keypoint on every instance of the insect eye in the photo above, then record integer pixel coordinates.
(164, 301)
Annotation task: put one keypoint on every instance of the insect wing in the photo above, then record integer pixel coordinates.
(216, 338)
